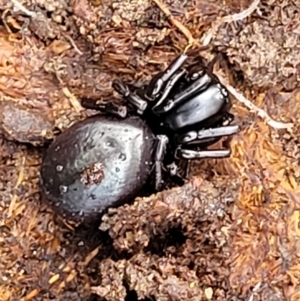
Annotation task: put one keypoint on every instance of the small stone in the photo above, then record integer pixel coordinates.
(208, 293)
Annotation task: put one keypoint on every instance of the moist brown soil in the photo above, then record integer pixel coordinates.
(230, 233)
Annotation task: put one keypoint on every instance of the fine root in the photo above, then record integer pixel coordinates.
(22, 8)
(208, 36)
(252, 107)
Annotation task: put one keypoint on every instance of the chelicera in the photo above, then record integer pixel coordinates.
(105, 160)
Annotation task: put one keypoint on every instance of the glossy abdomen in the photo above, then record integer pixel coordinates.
(97, 163)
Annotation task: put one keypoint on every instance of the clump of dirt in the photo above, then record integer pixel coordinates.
(174, 239)
(230, 233)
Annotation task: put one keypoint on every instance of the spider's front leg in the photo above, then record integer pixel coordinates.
(199, 79)
(197, 82)
(157, 90)
(160, 86)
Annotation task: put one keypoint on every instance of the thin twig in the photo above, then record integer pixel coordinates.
(207, 37)
(260, 112)
(31, 295)
(73, 44)
(90, 256)
(3, 17)
(243, 14)
(21, 7)
(176, 23)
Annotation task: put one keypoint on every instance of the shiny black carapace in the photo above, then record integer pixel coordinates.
(105, 160)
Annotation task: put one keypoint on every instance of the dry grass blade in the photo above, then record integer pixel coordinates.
(19, 181)
(260, 112)
(73, 100)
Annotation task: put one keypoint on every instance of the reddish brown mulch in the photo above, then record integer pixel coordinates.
(231, 233)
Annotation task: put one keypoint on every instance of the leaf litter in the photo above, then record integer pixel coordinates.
(230, 233)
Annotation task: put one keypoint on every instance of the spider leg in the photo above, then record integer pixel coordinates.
(158, 83)
(200, 77)
(131, 97)
(200, 81)
(162, 84)
(157, 90)
(202, 137)
(109, 108)
(169, 85)
(189, 154)
(160, 151)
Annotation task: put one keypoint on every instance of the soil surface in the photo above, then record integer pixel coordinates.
(231, 232)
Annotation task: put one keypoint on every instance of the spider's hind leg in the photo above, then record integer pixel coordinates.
(176, 170)
(159, 155)
(111, 108)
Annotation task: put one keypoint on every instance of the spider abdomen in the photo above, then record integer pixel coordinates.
(97, 163)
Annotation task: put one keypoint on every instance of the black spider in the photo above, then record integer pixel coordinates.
(105, 160)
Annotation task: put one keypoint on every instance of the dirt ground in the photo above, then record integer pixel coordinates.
(232, 232)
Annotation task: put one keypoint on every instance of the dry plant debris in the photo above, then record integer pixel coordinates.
(175, 237)
(266, 49)
(231, 233)
(24, 125)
